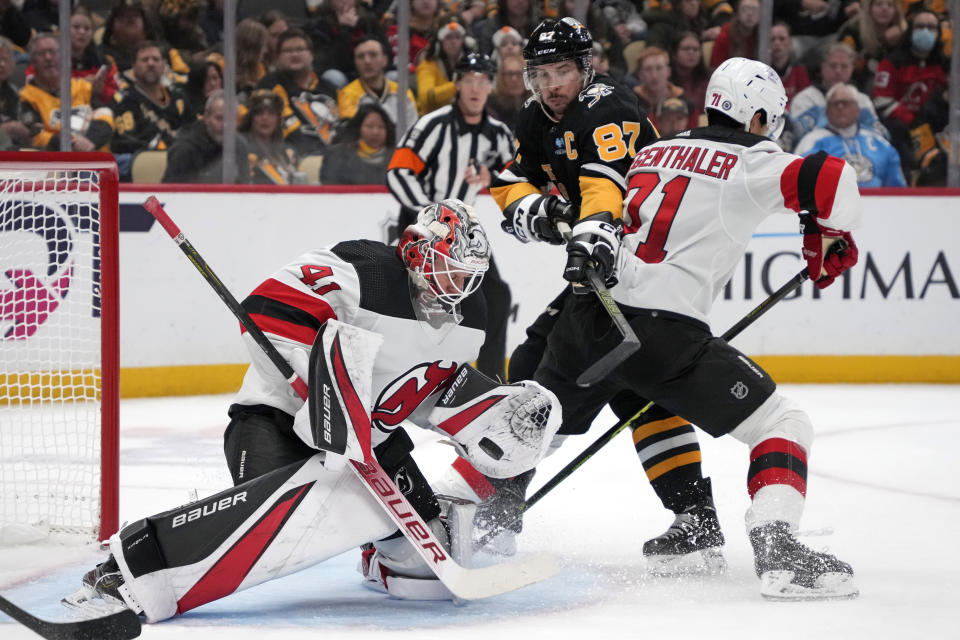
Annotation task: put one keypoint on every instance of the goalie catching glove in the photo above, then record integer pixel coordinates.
(502, 430)
(828, 252)
(594, 244)
(535, 217)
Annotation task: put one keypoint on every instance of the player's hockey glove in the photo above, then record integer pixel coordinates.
(594, 245)
(827, 257)
(535, 217)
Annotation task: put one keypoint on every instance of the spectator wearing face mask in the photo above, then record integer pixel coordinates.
(912, 72)
(908, 78)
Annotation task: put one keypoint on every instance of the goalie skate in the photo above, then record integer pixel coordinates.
(380, 572)
(691, 546)
(100, 591)
(789, 570)
(378, 577)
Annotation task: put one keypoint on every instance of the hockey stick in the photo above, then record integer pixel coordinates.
(466, 584)
(615, 430)
(122, 625)
(630, 344)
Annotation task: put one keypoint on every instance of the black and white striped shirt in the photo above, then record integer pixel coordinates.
(430, 162)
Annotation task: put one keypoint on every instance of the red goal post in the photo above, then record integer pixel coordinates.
(59, 344)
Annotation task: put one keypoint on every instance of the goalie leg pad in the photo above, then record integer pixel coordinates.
(269, 527)
(502, 430)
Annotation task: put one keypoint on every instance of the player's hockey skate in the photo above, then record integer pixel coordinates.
(100, 591)
(502, 512)
(691, 546)
(789, 570)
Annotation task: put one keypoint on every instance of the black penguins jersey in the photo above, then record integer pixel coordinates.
(586, 154)
(362, 283)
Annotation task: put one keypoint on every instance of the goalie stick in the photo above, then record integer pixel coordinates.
(630, 345)
(122, 625)
(464, 583)
(613, 431)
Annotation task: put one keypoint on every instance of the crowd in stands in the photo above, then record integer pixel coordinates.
(867, 80)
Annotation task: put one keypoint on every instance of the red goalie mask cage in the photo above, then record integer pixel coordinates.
(58, 345)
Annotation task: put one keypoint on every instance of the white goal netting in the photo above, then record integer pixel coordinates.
(51, 303)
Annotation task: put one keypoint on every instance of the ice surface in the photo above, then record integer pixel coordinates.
(882, 477)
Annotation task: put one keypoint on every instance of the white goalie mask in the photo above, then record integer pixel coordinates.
(446, 251)
(740, 87)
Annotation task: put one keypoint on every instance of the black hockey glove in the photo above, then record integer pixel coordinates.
(594, 245)
(535, 217)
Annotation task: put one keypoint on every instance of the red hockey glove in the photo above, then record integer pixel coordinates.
(826, 260)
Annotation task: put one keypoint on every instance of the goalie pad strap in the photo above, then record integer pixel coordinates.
(476, 480)
(394, 450)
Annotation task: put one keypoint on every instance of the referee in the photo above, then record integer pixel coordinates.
(450, 153)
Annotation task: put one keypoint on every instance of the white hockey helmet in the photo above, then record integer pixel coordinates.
(740, 87)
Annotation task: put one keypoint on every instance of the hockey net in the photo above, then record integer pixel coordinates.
(58, 345)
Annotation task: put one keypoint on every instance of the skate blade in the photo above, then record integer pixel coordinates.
(778, 586)
(87, 603)
(706, 562)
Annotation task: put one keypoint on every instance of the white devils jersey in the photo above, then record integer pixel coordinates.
(693, 202)
(364, 284)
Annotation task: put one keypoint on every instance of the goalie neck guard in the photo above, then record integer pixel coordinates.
(446, 251)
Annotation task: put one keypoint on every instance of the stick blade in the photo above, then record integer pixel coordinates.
(121, 625)
(610, 361)
(486, 582)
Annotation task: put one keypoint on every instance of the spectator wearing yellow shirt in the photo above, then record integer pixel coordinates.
(372, 86)
(435, 86)
(91, 128)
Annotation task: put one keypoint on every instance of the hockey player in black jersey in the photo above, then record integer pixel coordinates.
(693, 204)
(410, 319)
(579, 133)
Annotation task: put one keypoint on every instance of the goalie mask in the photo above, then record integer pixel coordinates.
(446, 251)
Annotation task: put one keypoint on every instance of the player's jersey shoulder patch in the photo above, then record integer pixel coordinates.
(592, 94)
